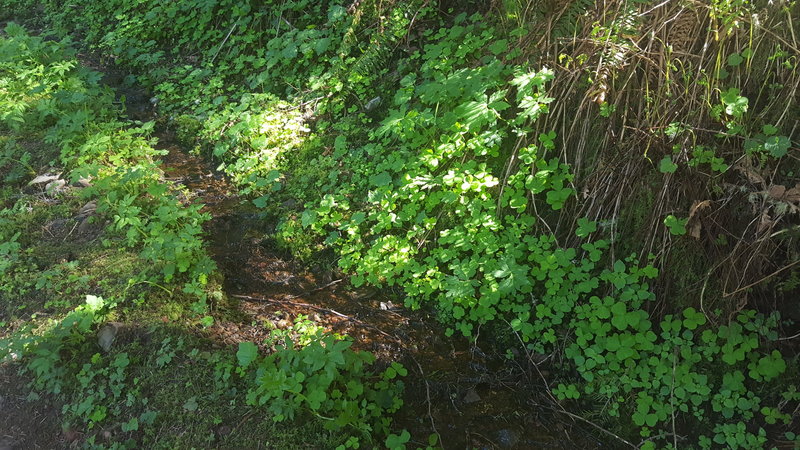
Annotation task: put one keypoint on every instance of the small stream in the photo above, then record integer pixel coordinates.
(470, 396)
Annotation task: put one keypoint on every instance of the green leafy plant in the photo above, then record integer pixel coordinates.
(310, 370)
(675, 225)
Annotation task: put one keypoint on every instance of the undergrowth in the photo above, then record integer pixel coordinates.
(481, 165)
(137, 241)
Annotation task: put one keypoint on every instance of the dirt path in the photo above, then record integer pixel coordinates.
(466, 395)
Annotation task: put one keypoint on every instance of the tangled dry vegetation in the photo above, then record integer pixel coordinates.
(638, 81)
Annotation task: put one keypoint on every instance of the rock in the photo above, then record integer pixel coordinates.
(107, 335)
(472, 397)
(83, 182)
(46, 178)
(372, 104)
(55, 186)
(87, 210)
(507, 438)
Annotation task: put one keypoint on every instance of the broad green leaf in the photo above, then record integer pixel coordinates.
(667, 166)
(734, 59)
(248, 352)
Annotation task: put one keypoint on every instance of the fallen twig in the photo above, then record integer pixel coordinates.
(292, 297)
(759, 281)
(428, 398)
(575, 416)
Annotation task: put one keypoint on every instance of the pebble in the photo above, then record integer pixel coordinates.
(472, 397)
(507, 438)
(106, 335)
(55, 186)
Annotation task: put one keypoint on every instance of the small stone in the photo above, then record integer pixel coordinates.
(107, 335)
(87, 210)
(46, 178)
(507, 438)
(55, 186)
(472, 397)
(83, 182)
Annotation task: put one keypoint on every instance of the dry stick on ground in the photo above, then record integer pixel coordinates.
(536, 366)
(321, 309)
(575, 416)
(428, 398)
(332, 283)
(789, 338)
(759, 281)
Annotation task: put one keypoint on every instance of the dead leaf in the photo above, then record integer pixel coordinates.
(698, 206)
(87, 210)
(745, 167)
(107, 335)
(71, 435)
(695, 224)
(83, 182)
(776, 191)
(792, 195)
(55, 186)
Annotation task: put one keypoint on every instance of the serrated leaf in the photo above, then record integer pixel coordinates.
(769, 130)
(499, 46)
(777, 146)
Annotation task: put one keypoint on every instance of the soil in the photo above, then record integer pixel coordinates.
(27, 424)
